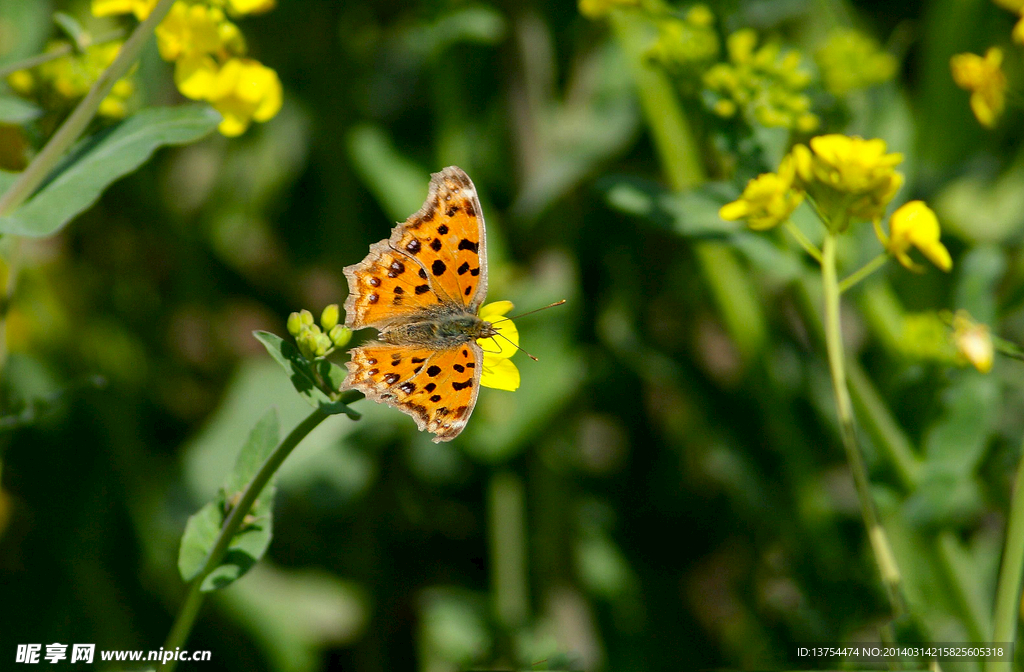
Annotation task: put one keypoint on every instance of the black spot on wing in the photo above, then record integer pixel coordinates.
(413, 247)
(467, 244)
(461, 270)
(435, 245)
(438, 267)
(463, 385)
(443, 229)
(422, 289)
(433, 371)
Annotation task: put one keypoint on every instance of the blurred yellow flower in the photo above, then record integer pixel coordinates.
(239, 7)
(691, 40)
(973, 341)
(848, 175)
(851, 60)
(984, 78)
(914, 224)
(498, 370)
(766, 85)
(767, 201)
(598, 9)
(64, 80)
(189, 31)
(244, 91)
(140, 8)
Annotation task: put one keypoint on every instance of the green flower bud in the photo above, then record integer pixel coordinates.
(307, 344)
(313, 329)
(340, 336)
(307, 317)
(294, 324)
(329, 318)
(323, 344)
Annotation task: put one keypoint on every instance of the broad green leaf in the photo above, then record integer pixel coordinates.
(99, 161)
(692, 213)
(302, 377)
(262, 441)
(200, 535)
(398, 183)
(17, 111)
(253, 539)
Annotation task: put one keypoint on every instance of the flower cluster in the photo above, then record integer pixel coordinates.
(850, 60)
(686, 42)
(765, 85)
(208, 52)
(498, 370)
(845, 178)
(318, 341)
(984, 78)
(850, 175)
(59, 83)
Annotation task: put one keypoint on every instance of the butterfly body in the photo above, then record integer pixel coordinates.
(422, 289)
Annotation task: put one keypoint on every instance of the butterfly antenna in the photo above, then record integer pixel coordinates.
(530, 312)
(513, 345)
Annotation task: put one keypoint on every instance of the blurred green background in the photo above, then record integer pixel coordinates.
(666, 490)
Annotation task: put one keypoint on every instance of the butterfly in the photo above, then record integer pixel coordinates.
(422, 289)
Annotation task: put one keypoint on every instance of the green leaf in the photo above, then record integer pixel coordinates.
(263, 438)
(253, 539)
(200, 535)
(302, 377)
(99, 161)
(17, 111)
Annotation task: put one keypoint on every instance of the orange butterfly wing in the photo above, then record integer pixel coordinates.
(438, 388)
(437, 256)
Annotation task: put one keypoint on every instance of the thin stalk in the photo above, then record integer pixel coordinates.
(58, 52)
(805, 242)
(68, 133)
(679, 154)
(863, 272)
(507, 535)
(1010, 573)
(194, 600)
(880, 545)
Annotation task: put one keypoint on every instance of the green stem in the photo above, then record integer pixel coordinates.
(863, 272)
(1009, 585)
(880, 545)
(679, 154)
(804, 241)
(507, 531)
(68, 133)
(190, 608)
(59, 52)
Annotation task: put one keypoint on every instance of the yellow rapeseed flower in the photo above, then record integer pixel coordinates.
(498, 370)
(189, 31)
(848, 176)
(140, 8)
(62, 81)
(244, 91)
(914, 224)
(240, 7)
(851, 60)
(767, 201)
(973, 341)
(984, 78)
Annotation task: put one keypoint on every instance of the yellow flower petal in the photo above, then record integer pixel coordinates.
(499, 373)
(914, 224)
(496, 309)
(250, 6)
(195, 76)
